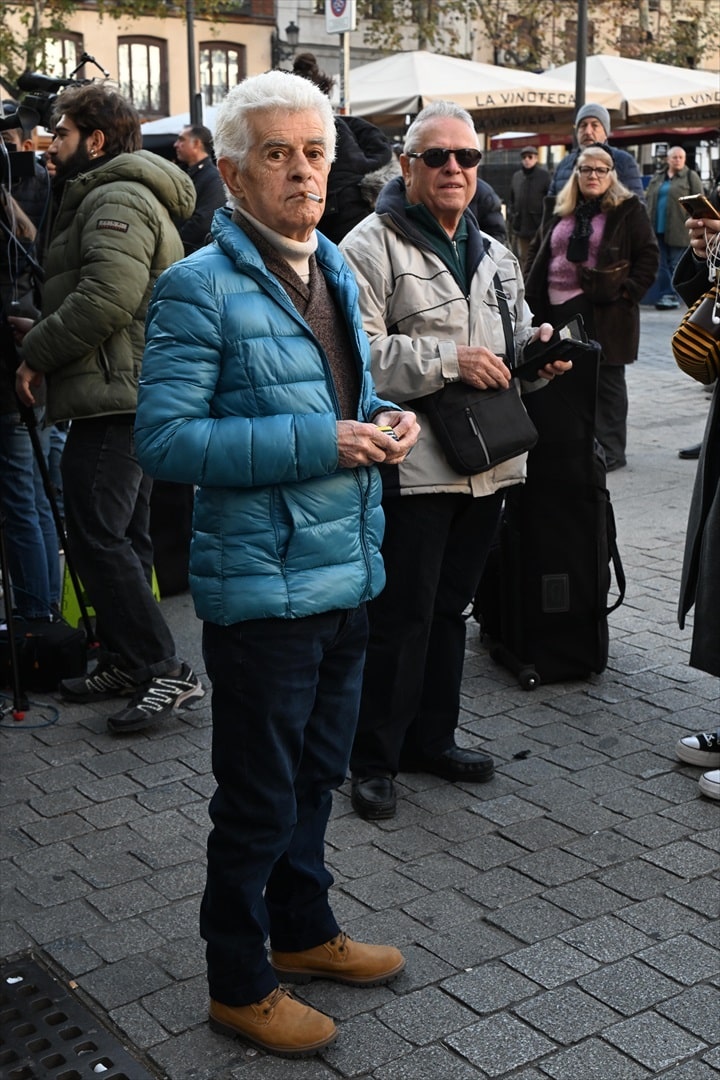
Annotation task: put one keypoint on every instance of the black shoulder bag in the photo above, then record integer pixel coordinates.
(478, 429)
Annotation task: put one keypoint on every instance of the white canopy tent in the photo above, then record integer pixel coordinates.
(173, 125)
(649, 92)
(402, 84)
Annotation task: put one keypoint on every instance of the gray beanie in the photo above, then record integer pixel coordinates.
(598, 112)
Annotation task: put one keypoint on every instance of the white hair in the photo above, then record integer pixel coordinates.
(447, 110)
(264, 93)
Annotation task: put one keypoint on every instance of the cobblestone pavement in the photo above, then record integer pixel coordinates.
(558, 921)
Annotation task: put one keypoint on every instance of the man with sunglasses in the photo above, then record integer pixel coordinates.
(427, 277)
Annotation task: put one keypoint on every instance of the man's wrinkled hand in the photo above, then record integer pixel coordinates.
(480, 367)
(367, 444)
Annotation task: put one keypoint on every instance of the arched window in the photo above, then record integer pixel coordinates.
(143, 73)
(222, 66)
(62, 55)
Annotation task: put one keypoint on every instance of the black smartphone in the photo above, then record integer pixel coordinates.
(697, 206)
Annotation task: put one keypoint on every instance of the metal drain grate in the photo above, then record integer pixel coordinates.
(47, 1034)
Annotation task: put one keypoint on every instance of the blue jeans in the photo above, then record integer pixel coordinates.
(284, 706)
(32, 542)
(107, 514)
(669, 258)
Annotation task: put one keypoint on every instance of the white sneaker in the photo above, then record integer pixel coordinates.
(709, 784)
(702, 749)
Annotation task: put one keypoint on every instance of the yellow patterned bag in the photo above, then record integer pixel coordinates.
(696, 342)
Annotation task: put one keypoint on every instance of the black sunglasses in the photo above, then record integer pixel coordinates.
(438, 156)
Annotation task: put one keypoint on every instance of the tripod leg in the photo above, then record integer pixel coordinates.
(20, 702)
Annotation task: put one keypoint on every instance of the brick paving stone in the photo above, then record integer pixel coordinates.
(473, 945)
(508, 809)
(698, 1010)
(425, 1015)
(653, 1041)
(141, 1028)
(440, 870)
(119, 902)
(442, 910)
(551, 867)
(566, 1015)
(500, 1044)
(117, 811)
(430, 1063)
(593, 1060)
(532, 919)
(124, 981)
(691, 1070)
(408, 844)
(606, 939)
(700, 895)
(639, 880)
(628, 986)
(653, 831)
(489, 988)
(538, 833)
(684, 958)
(660, 917)
(684, 858)
(586, 898)
(551, 963)
(365, 1045)
(501, 886)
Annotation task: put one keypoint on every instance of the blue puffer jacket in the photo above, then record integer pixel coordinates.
(236, 396)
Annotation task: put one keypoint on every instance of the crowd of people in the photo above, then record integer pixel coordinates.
(201, 326)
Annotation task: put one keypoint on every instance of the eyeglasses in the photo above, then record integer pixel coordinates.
(438, 156)
(599, 170)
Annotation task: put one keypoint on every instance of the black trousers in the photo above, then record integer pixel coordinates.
(434, 549)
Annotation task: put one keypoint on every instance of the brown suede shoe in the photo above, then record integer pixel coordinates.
(279, 1024)
(341, 960)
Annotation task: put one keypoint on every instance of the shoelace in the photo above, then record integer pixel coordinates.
(271, 1002)
(160, 693)
(108, 679)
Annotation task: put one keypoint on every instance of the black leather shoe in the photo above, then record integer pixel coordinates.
(691, 453)
(455, 763)
(373, 797)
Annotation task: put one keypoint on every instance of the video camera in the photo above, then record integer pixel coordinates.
(41, 90)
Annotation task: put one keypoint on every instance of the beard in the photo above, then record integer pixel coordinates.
(73, 165)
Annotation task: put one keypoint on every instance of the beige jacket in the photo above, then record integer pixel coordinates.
(416, 314)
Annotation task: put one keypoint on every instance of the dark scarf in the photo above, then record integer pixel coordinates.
(579, 243)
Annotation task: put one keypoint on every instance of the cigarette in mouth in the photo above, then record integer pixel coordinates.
(314, 198)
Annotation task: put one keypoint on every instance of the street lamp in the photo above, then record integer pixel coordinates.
(284, 50)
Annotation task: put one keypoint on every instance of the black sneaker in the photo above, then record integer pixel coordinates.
(162, 696)
(105, 681)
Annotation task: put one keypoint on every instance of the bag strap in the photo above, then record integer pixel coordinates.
(506, 321)
(614, 554)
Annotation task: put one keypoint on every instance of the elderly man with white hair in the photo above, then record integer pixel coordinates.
(256, 388)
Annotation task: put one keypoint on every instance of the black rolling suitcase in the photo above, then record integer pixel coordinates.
(543, 601)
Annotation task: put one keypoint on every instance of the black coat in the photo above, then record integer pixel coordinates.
(210, 196)
(487, 208)
(528, 188)
(361, 148)
(614, 304)
(700, 583)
